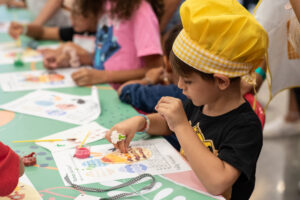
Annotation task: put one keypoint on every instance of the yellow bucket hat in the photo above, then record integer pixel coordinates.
(220, 36)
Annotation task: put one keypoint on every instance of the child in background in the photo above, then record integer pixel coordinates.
(82, 32)
(127, 43)
(11, 168)
(14, 3)
(145, 93)
(219, 134)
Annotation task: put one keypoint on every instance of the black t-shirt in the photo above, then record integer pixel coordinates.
(235, 137)
(67, 33)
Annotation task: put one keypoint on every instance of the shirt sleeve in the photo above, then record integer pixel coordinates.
(242, 146)
(9, 170)
(146, 31)
(66, 33)
(145, 97)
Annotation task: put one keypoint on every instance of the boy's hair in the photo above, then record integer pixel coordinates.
(122, 9)
(184, 70)
(171, 36)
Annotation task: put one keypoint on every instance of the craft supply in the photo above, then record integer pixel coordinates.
(83, 141)
(48, 140)
(29, 159)
(82, 152)
(125, 184)
(117, 137)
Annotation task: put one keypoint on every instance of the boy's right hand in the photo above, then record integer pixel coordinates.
(15, 30)
(128, 128)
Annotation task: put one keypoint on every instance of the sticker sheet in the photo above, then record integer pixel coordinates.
(58, 106)
(154, 156)
(38, 79)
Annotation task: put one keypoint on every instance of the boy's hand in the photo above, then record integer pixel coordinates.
(89, 76)
(154, 75)
(172, 110)
(15, 30)
(128, 128)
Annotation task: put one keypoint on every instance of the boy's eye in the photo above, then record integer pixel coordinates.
(187, 82)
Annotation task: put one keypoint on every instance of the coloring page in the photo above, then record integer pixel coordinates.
(37, 79)
(154, 156)
(58, 106)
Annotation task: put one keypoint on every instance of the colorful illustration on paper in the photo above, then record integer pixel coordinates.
(39, 79)
(134, 155)
(58, 106)
(155, 156)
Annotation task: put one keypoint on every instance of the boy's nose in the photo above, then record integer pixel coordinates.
(180, 83)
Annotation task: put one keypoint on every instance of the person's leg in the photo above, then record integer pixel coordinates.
(290, 123)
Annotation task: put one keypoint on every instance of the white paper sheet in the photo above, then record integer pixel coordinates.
(165, 159)
(58, 106)
(9, 52)
(97, 132)
(25, 190)
(39, 79)
(86, 197)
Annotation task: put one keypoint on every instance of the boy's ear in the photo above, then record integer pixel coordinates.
(167, 64)
(222, 81)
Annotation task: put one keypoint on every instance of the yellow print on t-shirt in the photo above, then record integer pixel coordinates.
(208, 143)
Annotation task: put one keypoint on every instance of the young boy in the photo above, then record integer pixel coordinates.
(11, 168)
(220, 42)
(144, 94)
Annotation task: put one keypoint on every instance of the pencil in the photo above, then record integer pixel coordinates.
(83, 141)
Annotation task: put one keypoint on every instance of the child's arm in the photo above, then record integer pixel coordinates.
(129, 127)
(86, 76)
(35, 31)
(216, 175)
(50, 8)
(21, 167)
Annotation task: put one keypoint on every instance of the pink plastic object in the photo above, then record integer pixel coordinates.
(82, 152)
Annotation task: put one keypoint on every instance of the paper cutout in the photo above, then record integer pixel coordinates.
(54, 105)
(6, 117)
(164, 159)
(39, 79)
(97, 132)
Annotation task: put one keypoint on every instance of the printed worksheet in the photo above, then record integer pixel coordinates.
(10, 51)
(73, 137)
(24, 190)
(38, 79)
(58, 106)
(154, 156)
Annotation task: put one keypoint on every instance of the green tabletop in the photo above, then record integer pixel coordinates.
(45, 176)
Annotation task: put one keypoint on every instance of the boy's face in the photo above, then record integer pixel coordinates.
(197, 89)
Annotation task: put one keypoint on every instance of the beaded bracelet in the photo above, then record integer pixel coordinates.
(261, 72)
(147, 124)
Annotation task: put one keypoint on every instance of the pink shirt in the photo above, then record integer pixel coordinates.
(139, 36)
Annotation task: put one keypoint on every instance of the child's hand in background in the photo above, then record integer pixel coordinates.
(15, 30)
(154, 76)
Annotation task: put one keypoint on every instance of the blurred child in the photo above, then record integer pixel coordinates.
(219, 134)
(14, 3)
(127, 43)
(158, 82)
(82, 32)
(11, 168)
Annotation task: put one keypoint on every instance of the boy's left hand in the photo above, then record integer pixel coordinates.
(172, 110)
(88, 76)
